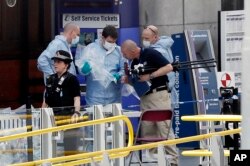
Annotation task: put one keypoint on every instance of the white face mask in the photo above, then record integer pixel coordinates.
(75, 40)
(109, 46)
(145, 43)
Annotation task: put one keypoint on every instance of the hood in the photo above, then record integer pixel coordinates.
(98, 41)
(164, 41)
(62, 38)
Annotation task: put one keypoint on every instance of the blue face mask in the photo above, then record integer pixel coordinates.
(75, 40)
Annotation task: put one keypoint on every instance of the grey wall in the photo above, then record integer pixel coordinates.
(173, 16)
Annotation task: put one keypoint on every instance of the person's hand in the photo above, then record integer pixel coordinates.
(86, 68)
(117, 77)
(75, 117)
(176, 66)
(125, 79)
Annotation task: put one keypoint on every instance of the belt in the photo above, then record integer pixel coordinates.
(161, 88)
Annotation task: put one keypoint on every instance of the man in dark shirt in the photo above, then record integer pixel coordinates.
(149, 61)
(158, 97)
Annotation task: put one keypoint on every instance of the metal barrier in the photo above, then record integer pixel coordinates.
(106, 155)
(13, 122)
(210, 119)
(201, 152)
(119, 152)
(59, 122)
(49, 140)
(48, 145)
(71, 126)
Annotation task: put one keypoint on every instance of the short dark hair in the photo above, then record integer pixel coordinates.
(111, 31)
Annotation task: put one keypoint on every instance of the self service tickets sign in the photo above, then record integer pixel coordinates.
(92, 20)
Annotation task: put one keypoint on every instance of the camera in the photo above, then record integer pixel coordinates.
(230, 100)
(231, 105)
(226, 93)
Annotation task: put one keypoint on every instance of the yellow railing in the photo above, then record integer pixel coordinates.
(59, 122)
(71, 126)
(202, 153)
(210, 117)
(118, 152)
(29, 116)
(81, 118)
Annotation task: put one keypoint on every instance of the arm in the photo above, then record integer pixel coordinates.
(121, 63)
(160, 72)
(77, 106)
(44, 104)
(119, 75)
(159, 62)
(76, 92)
(83, 61)
(44, 63)
(77, 103)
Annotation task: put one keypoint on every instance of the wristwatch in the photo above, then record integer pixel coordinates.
(151, 76)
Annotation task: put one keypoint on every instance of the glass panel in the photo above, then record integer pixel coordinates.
(67, 142)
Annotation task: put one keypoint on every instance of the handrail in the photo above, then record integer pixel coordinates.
(16, 150)
(202, 152)
(29, 116)
(16, 129)
(72, 126)
(113, 152)
(116, 153)
(211, 117)
(59, 122)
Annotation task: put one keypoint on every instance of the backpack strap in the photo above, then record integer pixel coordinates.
(61, 80)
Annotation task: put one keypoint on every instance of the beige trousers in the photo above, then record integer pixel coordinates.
(159, 100)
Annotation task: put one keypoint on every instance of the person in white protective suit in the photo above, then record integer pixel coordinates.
(102, 64)
(64, 41)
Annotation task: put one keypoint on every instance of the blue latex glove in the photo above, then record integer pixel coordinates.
(117, 77)
(86, 68)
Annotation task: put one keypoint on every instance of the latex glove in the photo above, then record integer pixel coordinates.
(86, 68)
(117, 77)
(176, 66)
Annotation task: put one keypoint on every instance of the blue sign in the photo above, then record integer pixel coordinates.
(196, 88)
(185, 90)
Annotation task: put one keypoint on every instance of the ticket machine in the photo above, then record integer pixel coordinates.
(196, 88)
